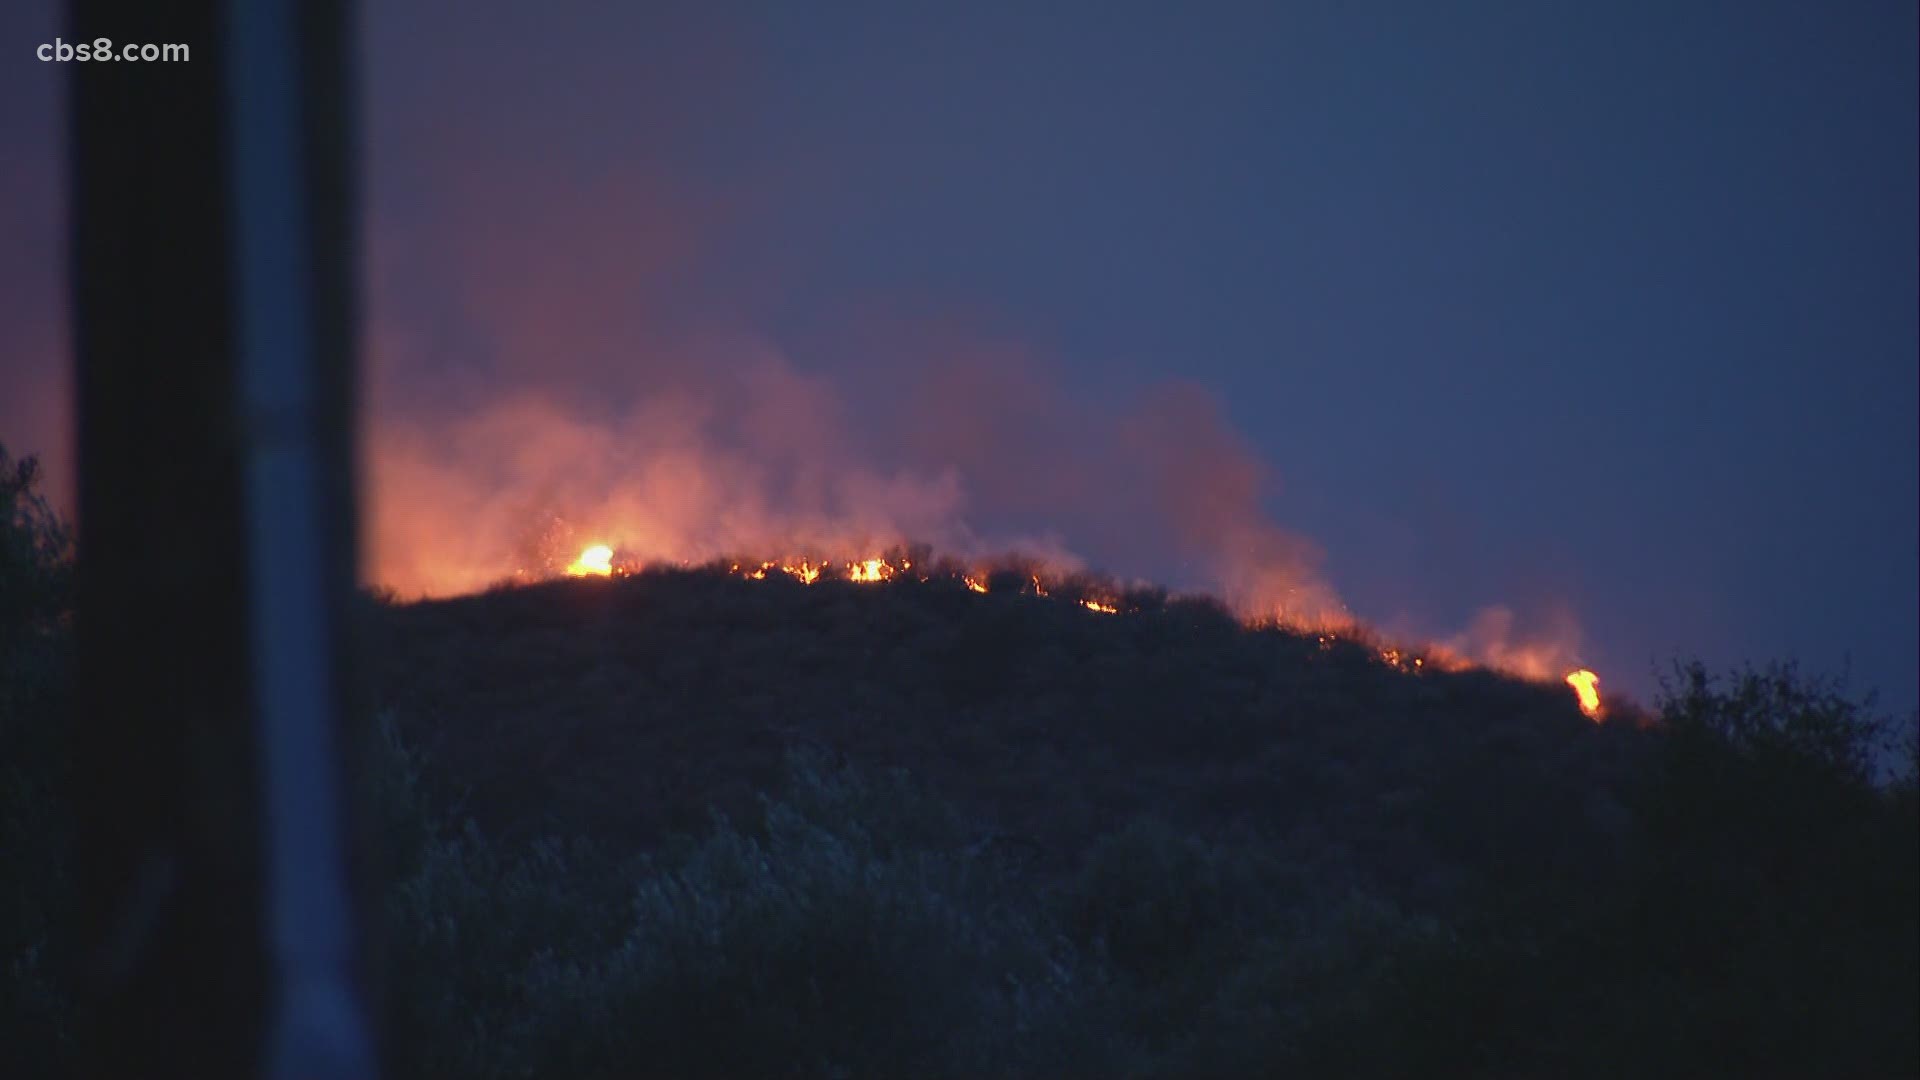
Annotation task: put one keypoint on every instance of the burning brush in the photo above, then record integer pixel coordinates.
(597, 560)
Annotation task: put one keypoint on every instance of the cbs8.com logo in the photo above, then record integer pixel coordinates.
(61, 51)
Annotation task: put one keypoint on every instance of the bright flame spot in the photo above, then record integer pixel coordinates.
(1038, 589)
(1586, 686)
(596, 561)
(1398, 659)
(1095, 605)
(870, 570)
(975, 584)
(806, 573)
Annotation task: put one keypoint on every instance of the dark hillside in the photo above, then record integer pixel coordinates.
(626, 708)
(1003, 834)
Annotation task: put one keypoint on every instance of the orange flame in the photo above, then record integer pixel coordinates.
(595, 561)
(870, 570)
(1586, 686)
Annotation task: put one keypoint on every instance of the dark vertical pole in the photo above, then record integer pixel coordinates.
(192, 733)
(169, 842)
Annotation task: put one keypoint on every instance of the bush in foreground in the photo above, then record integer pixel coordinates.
(36, 829)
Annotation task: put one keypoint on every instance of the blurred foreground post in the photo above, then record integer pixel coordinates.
(212, 211)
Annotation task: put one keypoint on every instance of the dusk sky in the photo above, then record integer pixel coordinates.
(1604, 313)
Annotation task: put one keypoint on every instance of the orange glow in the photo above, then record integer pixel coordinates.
(1102, 608)
(869, 571)
(1586, 686)
(975, 584)
(596, 561)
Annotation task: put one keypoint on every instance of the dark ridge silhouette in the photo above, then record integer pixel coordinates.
(626, 707)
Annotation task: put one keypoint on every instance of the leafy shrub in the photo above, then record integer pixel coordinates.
(36, 550)
(1148, 897)
(1764, 923)
(467, 921)
(1778, 882)
(36, 828)
(840, 935)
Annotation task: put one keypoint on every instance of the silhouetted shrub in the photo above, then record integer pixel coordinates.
(844, 934)
(1779, 884)
(36, 826)
(1763, 923)
(35, 554)
(1147, 897)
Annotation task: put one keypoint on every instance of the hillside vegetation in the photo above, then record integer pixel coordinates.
(682, 824)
